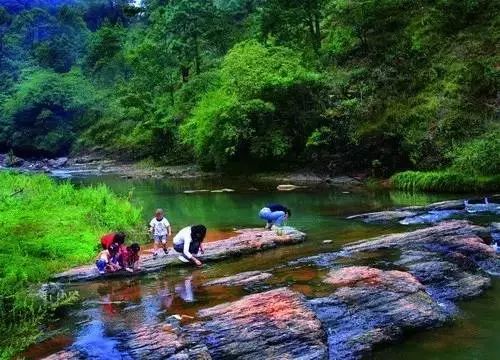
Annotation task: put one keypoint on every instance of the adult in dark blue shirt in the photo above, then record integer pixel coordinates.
(274, 214)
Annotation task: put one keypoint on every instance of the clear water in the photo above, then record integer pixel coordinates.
(112, 308)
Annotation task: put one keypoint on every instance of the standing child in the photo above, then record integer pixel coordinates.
(160, 230)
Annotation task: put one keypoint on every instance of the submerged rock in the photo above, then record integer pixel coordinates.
(383, 216)
(432, 217)
(51, 291)
(289, 187)
(247, 241)
(241, 279)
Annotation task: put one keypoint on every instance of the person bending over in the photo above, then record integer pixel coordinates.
(274, 214)
(129, 259)
(112, 238)
(188, 241)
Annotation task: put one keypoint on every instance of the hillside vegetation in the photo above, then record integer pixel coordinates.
(339, 85)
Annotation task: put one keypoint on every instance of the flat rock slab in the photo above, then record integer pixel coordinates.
(276, 324)
(247, 241)
(383, 216)
(241, 279)
(372, 306)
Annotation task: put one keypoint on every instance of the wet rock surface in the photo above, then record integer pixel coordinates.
(383, 216)
(433, 268)
(432, 213)
(276, 324)
(241, 279)
(372, 306)
(247, 241)
(362, 306)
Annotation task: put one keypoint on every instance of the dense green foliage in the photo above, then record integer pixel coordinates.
(373, 86)
(44, 228)
(445, 181)
(475, 166)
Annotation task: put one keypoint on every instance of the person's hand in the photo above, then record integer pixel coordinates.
(197, 262)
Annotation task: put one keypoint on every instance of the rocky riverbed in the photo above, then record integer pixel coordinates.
(432, 213)
(415, 288)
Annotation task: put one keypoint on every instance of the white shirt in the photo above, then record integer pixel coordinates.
(183, 237)
(159, 228)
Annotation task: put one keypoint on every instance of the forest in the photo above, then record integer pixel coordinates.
(345, 86)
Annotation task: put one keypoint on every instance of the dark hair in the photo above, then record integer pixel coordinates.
(198, 232)
(113, 249)
(135, 248)
(119, 237)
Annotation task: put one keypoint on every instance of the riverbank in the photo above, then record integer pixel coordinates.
(47, 227)
(96, 165)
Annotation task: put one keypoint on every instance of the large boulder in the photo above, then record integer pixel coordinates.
(57, 163)
(276, 324)
(372, 306)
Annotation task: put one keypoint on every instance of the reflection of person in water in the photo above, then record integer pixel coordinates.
(185, 290)
(116, 296)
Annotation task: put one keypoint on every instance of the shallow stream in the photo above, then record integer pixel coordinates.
(111, 308)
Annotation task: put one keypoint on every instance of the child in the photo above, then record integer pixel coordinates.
(106, 260)
(112, 238)
(160, 230)
(130, 258)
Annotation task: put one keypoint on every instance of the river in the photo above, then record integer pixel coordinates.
(109, 309)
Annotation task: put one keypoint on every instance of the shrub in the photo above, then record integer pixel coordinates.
(444, 181)
(480, 156)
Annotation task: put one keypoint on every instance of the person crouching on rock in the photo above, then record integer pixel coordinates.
(129, 258)
(112, 238)
(160, 230)
(274, 214)
(188, 241)
(107, 260)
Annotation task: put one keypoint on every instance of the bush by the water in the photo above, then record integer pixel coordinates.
(480, 156)
(47, 227)
(445, 181)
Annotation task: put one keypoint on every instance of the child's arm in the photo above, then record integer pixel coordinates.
(201, 249)
(151, 226)
(169, 231)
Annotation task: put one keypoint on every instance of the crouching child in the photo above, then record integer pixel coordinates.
(107, 260)
(129, 259)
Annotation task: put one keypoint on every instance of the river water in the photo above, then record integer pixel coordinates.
(111, 308)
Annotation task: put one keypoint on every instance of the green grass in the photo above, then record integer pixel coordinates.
(444, 181)
(46, 227)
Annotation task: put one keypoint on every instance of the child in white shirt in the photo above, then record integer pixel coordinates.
(160, 230)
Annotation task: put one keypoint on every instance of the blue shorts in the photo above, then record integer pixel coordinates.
(272, 217)
(101, 264)
(160, 239)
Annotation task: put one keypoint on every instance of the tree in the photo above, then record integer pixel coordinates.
(42, 115)
(290, 21)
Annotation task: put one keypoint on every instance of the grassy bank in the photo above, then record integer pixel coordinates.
(46, 227)
(445, 181)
